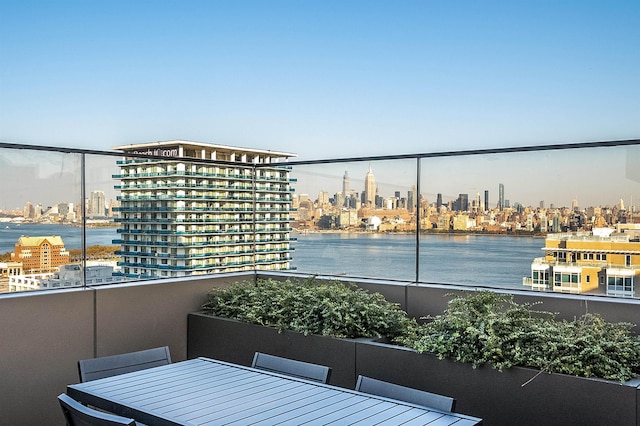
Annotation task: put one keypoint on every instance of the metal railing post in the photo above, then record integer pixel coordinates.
(418, 219)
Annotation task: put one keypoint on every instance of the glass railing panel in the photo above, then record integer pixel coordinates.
(41, 217)
(491, 216)
(356, 219)
(105, 245)
(523, 220)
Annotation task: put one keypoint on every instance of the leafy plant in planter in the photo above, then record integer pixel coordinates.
(310, 307)
(487, 327)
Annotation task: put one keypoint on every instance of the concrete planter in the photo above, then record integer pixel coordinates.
(503, 398)
(235, 341)
(498, 398)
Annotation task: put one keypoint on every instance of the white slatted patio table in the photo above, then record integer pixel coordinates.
(204, 391)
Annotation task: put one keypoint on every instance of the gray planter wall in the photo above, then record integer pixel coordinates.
(236, 342)
(498, 398)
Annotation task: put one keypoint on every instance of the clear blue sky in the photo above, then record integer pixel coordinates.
(320, 78)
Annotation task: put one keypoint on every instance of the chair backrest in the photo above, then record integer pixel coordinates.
(403, 393)
(290, 367)
(77, 414)
(97, 368)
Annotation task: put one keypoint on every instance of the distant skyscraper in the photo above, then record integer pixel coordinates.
(462, 203)
(97, 204)
(370, 188)
(486, 200)
(501, 204)
(29, 211)
(323, 198)
(411, 199)
(345, 186)
(556, 223)
(63, 209)
(439, 201)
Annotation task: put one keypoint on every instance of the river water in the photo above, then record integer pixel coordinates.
(481, 260)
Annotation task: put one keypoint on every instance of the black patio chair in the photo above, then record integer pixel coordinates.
(403, 393)
(290, 367)
(77, 414)
(98, 368)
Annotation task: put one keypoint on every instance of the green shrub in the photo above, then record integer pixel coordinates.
(310, 307)
(486, 327)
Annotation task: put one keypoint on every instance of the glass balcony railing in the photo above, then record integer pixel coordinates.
(499, 218)
(480, 218)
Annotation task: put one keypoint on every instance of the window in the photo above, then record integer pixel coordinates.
(566, 279)
(540, 277)
(618, 284)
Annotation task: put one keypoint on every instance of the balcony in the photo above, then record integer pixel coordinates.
(50, 330)
(45, 332)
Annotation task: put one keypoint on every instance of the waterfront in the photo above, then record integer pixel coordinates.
(482, 260)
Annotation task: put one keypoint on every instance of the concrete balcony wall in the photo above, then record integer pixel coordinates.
(44, 333)
(42, 336)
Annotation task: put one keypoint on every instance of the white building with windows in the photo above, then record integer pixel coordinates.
(69, 275)
(198, 208)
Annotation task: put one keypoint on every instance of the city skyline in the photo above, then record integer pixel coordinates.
(593, 177)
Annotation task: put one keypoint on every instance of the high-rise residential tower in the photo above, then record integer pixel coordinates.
(198, 208)
(97, 205)
(370, 188)
(501, 203)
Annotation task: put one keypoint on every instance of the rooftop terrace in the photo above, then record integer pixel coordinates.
(45, 333)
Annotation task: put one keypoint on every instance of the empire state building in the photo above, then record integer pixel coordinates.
(370, 188)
